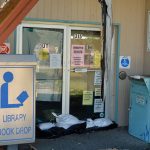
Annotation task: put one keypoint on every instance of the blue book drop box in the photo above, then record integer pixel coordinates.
(139, 110)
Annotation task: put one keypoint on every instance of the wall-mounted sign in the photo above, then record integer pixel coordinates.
(5, 48)
(77, 55)
(125, 62)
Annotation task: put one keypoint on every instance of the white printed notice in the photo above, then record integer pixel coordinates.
(77, 55)
(98, 106)
(97, 91)
(55, 61)
(98, 78)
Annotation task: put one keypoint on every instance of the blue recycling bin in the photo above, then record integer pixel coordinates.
(139, 110)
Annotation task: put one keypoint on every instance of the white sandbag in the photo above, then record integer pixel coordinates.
(89, 123)
(102, 122)
(66, 120)
(46, 125)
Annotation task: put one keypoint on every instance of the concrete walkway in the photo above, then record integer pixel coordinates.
(112, 139)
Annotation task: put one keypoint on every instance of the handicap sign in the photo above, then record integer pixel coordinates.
(17, 105)
(125, 62)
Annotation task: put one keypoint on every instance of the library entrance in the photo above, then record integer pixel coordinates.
(68, 73)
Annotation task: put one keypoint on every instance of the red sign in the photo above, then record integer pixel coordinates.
(5, 48)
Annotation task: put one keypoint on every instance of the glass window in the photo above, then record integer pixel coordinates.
(47, 45)
(86, 74)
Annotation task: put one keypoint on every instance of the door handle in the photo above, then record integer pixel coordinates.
(122, 75)
(129, 108)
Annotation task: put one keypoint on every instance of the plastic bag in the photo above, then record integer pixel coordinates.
(46, 125)
(90, 123)
(102, 122)
(66, 120)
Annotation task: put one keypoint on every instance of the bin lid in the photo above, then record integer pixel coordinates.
(145, 79)
(18, 59)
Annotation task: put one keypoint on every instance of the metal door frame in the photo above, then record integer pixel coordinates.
(41, 25)
(82, 28)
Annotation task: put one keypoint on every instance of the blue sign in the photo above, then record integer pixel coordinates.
(125, 62)
(4, 99)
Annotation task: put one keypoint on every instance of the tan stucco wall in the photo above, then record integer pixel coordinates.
(146, 54)
(130, 14)
(82, 10)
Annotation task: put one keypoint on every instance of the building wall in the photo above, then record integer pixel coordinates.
(131, 17)
(82, 10)
(146, 54)
(130, 14)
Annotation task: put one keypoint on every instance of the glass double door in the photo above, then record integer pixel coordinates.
(68, 69)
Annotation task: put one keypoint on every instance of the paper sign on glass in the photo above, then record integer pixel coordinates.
(96, 59)
(98, 78)
(77, 55)
(55, 61)
(87, 98)
(98, 105)
(97, 91)
(80, 69)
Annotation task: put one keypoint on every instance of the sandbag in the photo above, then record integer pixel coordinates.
(66, 120)
(46, 125)
(90, 123)
(102, 122)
